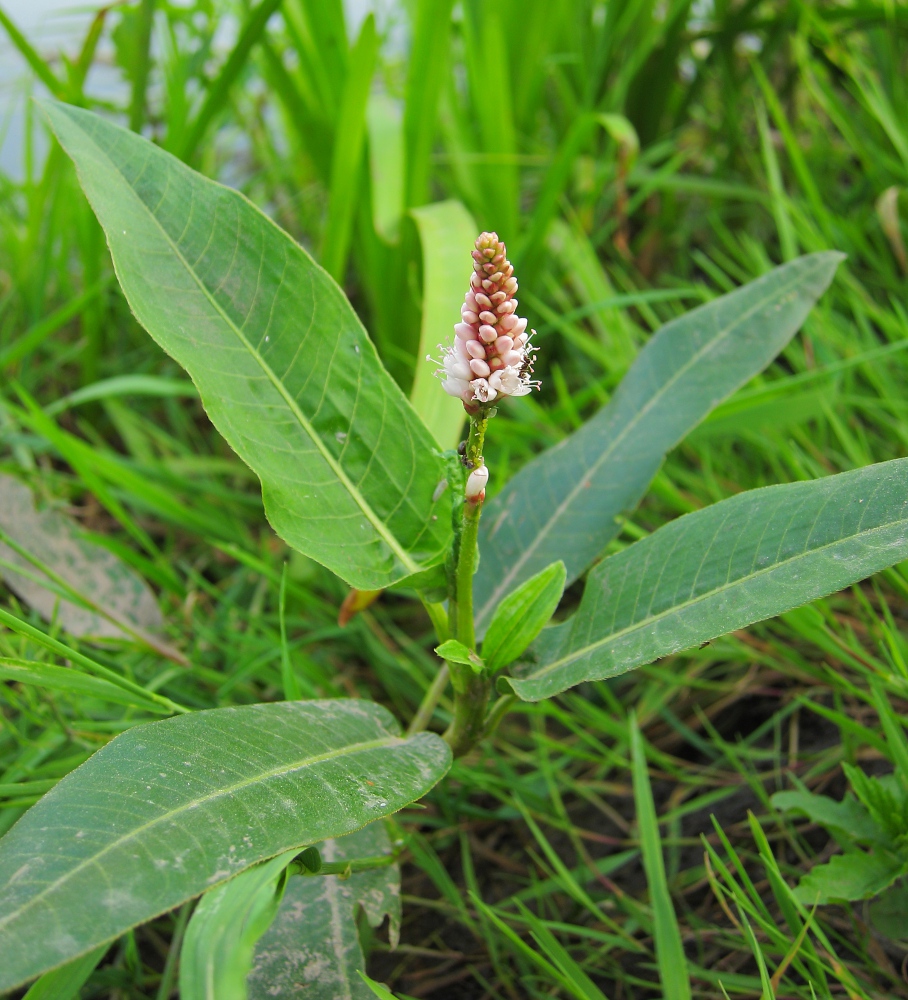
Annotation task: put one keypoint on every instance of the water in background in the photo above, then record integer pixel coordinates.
(57, 25)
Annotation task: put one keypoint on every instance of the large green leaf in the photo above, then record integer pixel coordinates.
(313, 945)
(740, 561)
(172, 808)
(284, 367)
(564, 504)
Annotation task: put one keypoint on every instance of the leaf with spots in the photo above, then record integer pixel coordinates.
(312, 949)
(170, 809)
(283, 365)
(565, 504)
(720, 569)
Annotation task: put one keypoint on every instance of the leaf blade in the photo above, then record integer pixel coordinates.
(284, 368)
(866, 530)
(687, 368)
(260, 779)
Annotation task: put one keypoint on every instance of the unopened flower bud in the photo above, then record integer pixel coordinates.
(476, 484)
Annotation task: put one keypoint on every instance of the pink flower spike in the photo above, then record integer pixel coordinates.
(490, 342)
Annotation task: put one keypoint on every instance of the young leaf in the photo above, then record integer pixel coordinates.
(856, 875)
(723, 568)
(217, 951)
(522, 615)
(455, 651)
(313, 945)
(564, 503)
(170, 809)
(122, 600)
(283, 365)
(446, 231)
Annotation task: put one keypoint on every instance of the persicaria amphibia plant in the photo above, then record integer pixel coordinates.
(221, 803)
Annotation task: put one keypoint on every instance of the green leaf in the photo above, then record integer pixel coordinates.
(283, 365)
(313, 945)
(447, 232)
(74, 682)
(851, 876)
(346, 157)
(455, 651)
(889, 913)
(170, 809)
(217, 951)
(564, 504)
(384, 121)
(48, 558)
(670, 955)
(522, 615)
(64, 983)
(848, 816)
(723, 568)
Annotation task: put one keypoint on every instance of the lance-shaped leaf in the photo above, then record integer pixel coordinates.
(564, 504)
(722, 568)
(313, 948)
(170, 809)
(284, 367)
(117, 600)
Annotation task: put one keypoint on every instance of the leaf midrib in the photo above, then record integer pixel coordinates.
(335, 467)
(195, 803)
(518, 564)
(677, 608)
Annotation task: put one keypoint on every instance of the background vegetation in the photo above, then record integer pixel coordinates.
(638, 157)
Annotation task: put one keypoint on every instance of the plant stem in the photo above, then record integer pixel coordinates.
(429, 702)
(471, 690)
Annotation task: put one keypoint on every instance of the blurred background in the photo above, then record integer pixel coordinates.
(639, 158)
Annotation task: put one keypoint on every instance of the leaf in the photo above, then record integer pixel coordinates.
(122, 600)
(217, 951)
(447, 232)
(889, 914)
(521, 616)
(455, 651)
(384, 122)
(851, 876)
(64, 983)
(73, 682)
(848, 816)
(313, 947)
(283, 365)
(170, 809)
(723, 568)
(564, 504)
(670, 955)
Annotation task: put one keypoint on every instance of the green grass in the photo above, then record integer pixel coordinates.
(528, 871)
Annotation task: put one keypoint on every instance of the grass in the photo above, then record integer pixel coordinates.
(759, 131)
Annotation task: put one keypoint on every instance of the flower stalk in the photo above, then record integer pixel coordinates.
(490, 358)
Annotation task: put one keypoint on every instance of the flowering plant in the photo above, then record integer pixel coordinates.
(228, 804)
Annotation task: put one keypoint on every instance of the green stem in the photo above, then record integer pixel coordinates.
(429, 702)
(471, 690)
